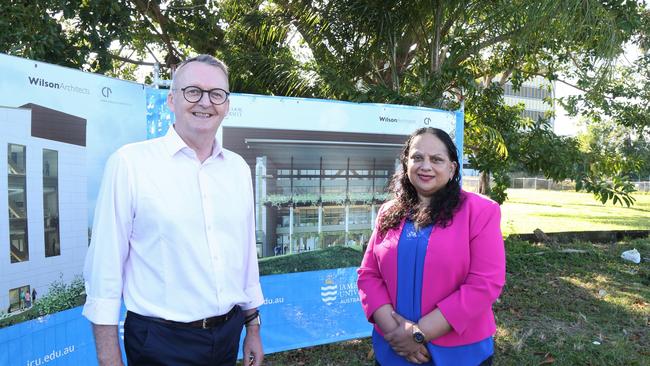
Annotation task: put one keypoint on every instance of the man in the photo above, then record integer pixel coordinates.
(174, 236)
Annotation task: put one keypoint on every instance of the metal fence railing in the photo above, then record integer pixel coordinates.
(471, 183)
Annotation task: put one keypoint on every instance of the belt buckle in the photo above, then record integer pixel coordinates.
(205, 323)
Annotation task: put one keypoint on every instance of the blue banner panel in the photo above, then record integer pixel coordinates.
(311, 308)
(64, 338)
(300, 310)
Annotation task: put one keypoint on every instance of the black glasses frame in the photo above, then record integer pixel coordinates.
(205, 91)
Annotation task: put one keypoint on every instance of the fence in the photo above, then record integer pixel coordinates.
(471, 183)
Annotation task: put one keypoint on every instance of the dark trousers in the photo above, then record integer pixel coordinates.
(151, 343)
(487, 362)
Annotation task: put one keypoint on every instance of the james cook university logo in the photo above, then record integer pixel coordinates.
(329, 291)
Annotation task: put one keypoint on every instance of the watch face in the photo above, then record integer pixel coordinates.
(418, 337)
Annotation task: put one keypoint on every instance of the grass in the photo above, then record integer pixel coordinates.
(557, 308)
(556, 211)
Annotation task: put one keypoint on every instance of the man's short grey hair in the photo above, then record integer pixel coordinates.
(206, 59)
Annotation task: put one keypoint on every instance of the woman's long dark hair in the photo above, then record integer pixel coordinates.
(444, 202)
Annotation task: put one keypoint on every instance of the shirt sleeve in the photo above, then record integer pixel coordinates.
(109, 246)
(253, 288)
(373, 292)
(486, 275)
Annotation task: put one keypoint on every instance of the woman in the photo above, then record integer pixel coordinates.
(435, 263)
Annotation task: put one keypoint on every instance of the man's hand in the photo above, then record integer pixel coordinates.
(253, 353)
(108, 348)
(402, 342)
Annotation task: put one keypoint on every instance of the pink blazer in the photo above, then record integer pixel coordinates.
(464, 270)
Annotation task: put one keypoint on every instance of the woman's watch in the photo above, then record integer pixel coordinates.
(418, 335)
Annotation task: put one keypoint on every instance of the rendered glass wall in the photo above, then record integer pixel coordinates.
(18, 243)
(17, 298)
(51, 202)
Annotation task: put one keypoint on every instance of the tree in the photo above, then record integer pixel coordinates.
(437, 54)
(70, 33)
(114, 36)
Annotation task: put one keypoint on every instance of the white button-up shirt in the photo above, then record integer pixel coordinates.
(171, 235)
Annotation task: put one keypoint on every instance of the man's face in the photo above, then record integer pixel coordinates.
(201, 117)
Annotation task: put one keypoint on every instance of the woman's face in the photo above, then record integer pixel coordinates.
(428, 166)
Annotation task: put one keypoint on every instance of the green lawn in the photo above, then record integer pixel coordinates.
(556, 211)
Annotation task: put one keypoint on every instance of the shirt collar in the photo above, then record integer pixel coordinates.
(174, 143)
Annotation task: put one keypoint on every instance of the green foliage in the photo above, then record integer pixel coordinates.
(619, 189)
(75, 33)
(326, 198)
(61, 296)
(623, 97)
(327, 258)
(423, 53)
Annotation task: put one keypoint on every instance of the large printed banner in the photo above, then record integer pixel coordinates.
(57, 128)
(300, 310)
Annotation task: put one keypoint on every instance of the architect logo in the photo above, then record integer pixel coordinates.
(37, 81)
(386, 119)
(106, 92)
(329, 291)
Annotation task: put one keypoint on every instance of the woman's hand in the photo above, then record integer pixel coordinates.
(419, 356)
(402, 342)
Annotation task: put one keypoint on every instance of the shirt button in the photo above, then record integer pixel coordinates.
(209, 227)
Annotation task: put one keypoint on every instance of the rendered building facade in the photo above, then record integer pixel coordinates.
(43, 210)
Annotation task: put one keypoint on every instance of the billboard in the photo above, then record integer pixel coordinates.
(320, 170)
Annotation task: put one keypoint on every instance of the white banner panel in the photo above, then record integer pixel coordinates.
(248, 110)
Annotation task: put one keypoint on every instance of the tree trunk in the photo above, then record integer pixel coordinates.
(484, 183)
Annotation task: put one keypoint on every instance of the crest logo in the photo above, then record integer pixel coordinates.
(329, 291)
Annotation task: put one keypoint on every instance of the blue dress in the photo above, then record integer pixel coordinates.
(411, 250)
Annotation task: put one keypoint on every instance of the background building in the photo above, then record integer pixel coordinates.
(536, 95)
(43, 210)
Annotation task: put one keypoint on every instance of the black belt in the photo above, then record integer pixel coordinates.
(202, 323)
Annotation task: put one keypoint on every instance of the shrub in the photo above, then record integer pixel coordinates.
(61, 296)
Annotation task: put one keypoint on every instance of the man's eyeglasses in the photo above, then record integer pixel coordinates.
(193, 94)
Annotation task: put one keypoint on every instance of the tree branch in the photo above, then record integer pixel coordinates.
(155, 13)
(484, 44)
(435, 62)
(128, 60)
